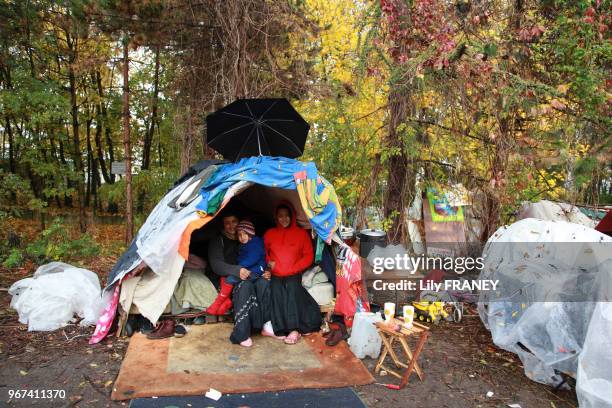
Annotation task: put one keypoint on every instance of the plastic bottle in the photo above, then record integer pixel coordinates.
(365, 340)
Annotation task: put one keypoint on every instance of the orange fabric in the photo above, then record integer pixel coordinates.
(183, 248)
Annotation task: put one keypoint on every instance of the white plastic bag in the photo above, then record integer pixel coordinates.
(56, 292)
(594, 380)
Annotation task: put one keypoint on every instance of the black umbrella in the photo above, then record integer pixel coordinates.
(255, 127)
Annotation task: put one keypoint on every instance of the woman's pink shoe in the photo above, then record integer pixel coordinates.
(247, 343)
(293, 337)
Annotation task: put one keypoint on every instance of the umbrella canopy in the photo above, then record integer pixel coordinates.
(256, 127)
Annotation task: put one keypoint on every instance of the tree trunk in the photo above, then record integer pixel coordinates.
(89, 161)
(75, 135)
(159, 147)
(186, 137)
(99, 126)
(11, 148)
(9, 129)
(129, 224)
(491, 204)
(400, 174)
(108, 176)
(146, 153)
(67, 198)
(99, 148)
(55, 156)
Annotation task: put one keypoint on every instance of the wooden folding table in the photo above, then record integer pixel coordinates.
(388, 336)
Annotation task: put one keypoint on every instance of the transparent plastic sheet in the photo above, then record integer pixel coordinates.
(57, 291)
(553, 211)
(551, 277)
(594, 382)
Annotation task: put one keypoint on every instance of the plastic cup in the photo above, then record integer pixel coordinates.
(408, 312)
(389, 311)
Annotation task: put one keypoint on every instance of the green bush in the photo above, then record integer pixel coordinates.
(15, 194)
(14, 259)
(55, 245)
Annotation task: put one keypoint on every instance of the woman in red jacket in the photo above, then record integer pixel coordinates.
(289, 253)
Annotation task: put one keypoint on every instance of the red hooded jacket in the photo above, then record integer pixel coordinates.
(290, 248)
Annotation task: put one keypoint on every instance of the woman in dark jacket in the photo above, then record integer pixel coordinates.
(288, 253)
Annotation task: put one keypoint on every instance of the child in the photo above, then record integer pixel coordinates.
(251, 256)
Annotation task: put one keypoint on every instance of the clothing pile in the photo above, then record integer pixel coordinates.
(318, 285)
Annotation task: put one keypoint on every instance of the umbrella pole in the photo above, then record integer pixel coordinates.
(259, 141)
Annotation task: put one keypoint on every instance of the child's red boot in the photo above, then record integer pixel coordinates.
(224, 295)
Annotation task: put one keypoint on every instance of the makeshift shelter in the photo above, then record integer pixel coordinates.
(190, 208)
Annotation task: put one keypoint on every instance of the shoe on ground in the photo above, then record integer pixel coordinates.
(335, 337)
(146, 326)
(179, 331)
(129, 327)
(199, 320)
(164, 329)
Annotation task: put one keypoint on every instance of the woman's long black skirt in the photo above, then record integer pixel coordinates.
(292, 307)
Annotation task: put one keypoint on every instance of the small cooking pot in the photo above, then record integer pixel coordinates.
(347, 234)
(369, 238)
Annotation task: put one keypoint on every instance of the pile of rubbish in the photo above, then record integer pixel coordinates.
(54, 295)
(549, 309)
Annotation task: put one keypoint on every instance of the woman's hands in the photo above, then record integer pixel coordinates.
(267, 274)
(244, 273)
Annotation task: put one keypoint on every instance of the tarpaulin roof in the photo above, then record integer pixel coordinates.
(317, 195)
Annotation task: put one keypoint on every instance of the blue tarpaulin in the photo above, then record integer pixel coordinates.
(320, 204)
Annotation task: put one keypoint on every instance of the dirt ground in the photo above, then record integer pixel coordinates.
(460, 363)
(461, 366)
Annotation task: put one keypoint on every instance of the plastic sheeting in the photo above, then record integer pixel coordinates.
(551, 276)
(551, 211)
(57, 291)
(158, 239)
(594, 381)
